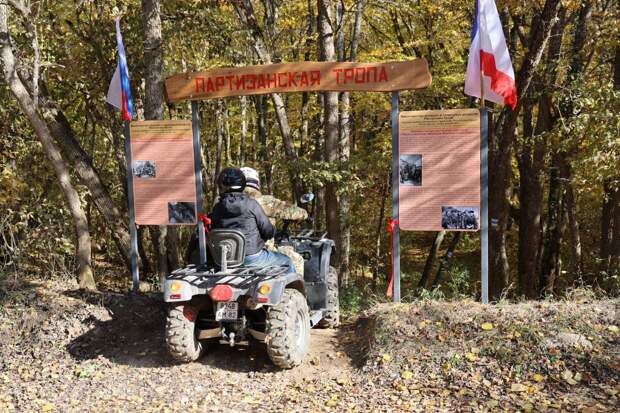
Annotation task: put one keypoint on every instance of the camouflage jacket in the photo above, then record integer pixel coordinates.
(276, 208)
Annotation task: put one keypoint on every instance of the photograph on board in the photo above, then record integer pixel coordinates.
(411, 170)
(144, 169)
(181, 212)
(459, 218)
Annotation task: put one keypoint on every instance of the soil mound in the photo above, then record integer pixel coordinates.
(532, 356)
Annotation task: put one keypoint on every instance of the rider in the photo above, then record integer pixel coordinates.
(275, 208)
(236, 210)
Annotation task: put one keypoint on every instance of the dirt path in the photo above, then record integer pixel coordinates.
(66, 351)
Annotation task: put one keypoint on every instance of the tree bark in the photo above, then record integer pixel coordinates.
(245, 11)
(305, 96)
(154, 109)
(553, 240)
(531, 165)
(244, 129)
(219, 122)
(260, 104)
(529, 220)
(445, 260)
(380, 226)
(330, 105)
(344, 141)
(52, 151)
(430, 260)
(610, 216)
(500, 151)
(64, 136)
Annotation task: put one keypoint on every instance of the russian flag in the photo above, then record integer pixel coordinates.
(488, 55)
(119, 91)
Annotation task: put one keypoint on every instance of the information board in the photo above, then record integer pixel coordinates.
(162, 167)
(439, 170)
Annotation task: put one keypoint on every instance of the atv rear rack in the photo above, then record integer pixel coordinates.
(243, 277)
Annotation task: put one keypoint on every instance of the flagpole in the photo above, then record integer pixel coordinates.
(395, 199)
(133, 232)
(484, 195)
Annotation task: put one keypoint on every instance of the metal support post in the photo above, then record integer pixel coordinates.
(484, 194)
(133, 232)
(198, 174)
(395, 198)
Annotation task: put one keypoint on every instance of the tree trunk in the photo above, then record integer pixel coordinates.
(305, 96)
(219, 122)
(531, 165)
(445, 260)
(614, 256)
(52, 151)
(500, 152)
(430, 260)
(244, 129)
(529, 221)
(228, 157)
(344, 142)
(380, 226)
(245, 11)
(553, 240)
(610, 228)
(260, 104)
(607, 225)
(330, 105)
(89, 176)
(154, 107)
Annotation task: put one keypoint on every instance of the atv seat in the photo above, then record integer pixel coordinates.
(227, 247)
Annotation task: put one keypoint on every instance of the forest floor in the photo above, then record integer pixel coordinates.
(66, 350)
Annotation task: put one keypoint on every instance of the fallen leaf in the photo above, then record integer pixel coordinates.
(342, 381)
(518, 388)
(471, 357)
(486, 326)
(538, 378)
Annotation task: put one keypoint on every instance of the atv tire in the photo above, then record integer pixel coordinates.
(331, 315)
(181, 338)
(288, 330)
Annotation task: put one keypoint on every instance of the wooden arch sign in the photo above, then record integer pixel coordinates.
(299, 77)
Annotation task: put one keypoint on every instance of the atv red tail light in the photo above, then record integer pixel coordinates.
(221, 292)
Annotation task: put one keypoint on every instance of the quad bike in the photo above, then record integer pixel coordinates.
(227, 301)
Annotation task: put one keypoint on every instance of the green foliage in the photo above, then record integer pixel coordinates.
(78, 56)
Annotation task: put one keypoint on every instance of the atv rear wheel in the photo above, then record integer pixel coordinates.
(288, 330)
(331, 315)
(181, 338)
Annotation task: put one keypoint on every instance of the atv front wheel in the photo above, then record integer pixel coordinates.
(288, 330)
(331, 315)
(181, 338)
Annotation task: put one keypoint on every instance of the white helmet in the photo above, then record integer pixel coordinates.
(251, 177)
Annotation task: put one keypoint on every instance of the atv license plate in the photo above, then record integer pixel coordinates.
(226, 311)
